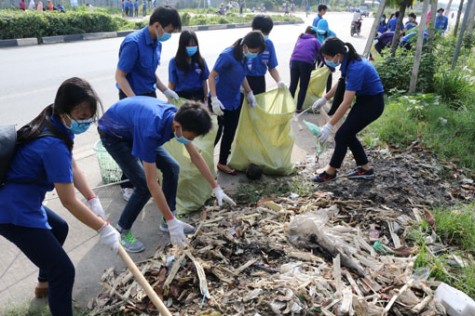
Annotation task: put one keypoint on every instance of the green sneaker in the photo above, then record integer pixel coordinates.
(130, 243)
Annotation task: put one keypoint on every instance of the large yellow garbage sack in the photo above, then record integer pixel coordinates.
(193, 189)
(264, 136)
(316, 86)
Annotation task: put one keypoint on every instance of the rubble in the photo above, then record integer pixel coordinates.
(341, 251)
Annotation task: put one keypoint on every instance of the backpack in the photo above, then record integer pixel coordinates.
(8, 147)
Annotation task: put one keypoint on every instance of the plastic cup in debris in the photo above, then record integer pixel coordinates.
(169, 261)
(293, 196)
(421, 274)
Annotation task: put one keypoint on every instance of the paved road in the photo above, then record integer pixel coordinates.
(29, 77)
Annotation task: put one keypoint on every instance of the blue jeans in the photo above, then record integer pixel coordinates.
(121, 152)
(44, 248)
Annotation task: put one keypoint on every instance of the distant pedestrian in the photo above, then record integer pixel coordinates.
(50, 5)
(22, 5)
(412, 23)
(61, 8)
(307, 10)
(144, 7)
(225, 80)
(441, 21)
(39, 6)
(32, 5)
(136, 7)
(322, 10)
(382, 26)
(187, 71)
(302, 61)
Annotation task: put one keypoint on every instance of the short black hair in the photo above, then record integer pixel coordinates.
(322, 7)
(412, 15)
(310, 30)
(166, 15)
(194, 117)
(396, 14)
(440, 10)
(262, 23)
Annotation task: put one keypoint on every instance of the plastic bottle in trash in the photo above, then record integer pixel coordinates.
(456, 302)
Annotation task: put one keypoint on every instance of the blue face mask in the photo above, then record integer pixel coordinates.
(79, 126)
(182, 139)
(191, 50)
(165, 37)
(250, 55)
(383, 19)
(331, 63)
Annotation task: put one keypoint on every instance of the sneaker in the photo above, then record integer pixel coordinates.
(324, 177)
(360, 173)
(127, 193)
(164, 228)
(130, 243)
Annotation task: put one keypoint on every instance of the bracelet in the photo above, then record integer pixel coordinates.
(92, 197)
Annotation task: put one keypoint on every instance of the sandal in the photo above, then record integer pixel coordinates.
(225, 169)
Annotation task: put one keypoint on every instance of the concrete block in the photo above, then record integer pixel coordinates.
(52, 39)
(124, 33)
(27, 41)
(73, 37)
(99, 35)
(8, 43)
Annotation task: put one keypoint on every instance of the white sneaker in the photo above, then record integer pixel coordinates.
(127, 193)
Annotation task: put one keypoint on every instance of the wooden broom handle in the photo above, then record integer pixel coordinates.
(143, 283)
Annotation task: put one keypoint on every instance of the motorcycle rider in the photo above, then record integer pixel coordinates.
(357, 21)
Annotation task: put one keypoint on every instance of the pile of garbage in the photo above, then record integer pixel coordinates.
(341, 251)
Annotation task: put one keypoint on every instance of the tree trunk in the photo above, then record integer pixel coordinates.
(418, 53)
(433, 10)
(447, 9)
(458, 18)
(395, 42)
(462, 31)
(471, 19)
(374, 28)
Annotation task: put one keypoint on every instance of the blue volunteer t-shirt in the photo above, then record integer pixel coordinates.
(139, 57)
(191, 80)
(145, 121)
(362, 77)
(47, 160)
(231, 74)
(265, 60)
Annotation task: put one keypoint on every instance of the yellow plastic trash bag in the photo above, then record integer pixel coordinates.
(316, 86)
(193, 189)
(264, 136)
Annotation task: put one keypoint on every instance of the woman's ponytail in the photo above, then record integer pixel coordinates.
(352, 54)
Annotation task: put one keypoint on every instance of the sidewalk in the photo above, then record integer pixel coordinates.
(91, 259)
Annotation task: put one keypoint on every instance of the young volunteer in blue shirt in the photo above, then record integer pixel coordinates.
(382, 26)
(362, 81)
(133, 131)
(412, 23)
(187, 71)
(322, 9)
(393, 22)
(140, 52)
(266, 60)
(228, 74)
(139, 57)
(441, 21)
(43, 163)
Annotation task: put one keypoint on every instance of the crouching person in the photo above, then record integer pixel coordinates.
(43, 162)
(133, 131)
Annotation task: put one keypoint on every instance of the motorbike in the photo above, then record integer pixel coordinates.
(355, 28)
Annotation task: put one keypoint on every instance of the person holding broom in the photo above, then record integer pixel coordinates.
(42, 162)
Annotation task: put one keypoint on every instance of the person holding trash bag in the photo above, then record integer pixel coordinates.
(361, 80)
(133, 131)
(228, 74)
(43, 161)
(187, 71)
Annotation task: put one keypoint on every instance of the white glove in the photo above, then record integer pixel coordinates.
(96, 207)
(281, 85)
(319, 103)
(221, 196)
(325, 132)
(251, 99)
(177, 228)
(171, 95)
(110, 237)
(217, 106)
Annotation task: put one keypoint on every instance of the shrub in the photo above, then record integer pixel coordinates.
(185, 19)
(455, 87)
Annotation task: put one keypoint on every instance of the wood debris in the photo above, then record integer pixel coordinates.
(315, 255)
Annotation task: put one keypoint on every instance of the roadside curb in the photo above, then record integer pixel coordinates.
(103, 35)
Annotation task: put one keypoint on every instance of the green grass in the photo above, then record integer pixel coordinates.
(448, 133)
